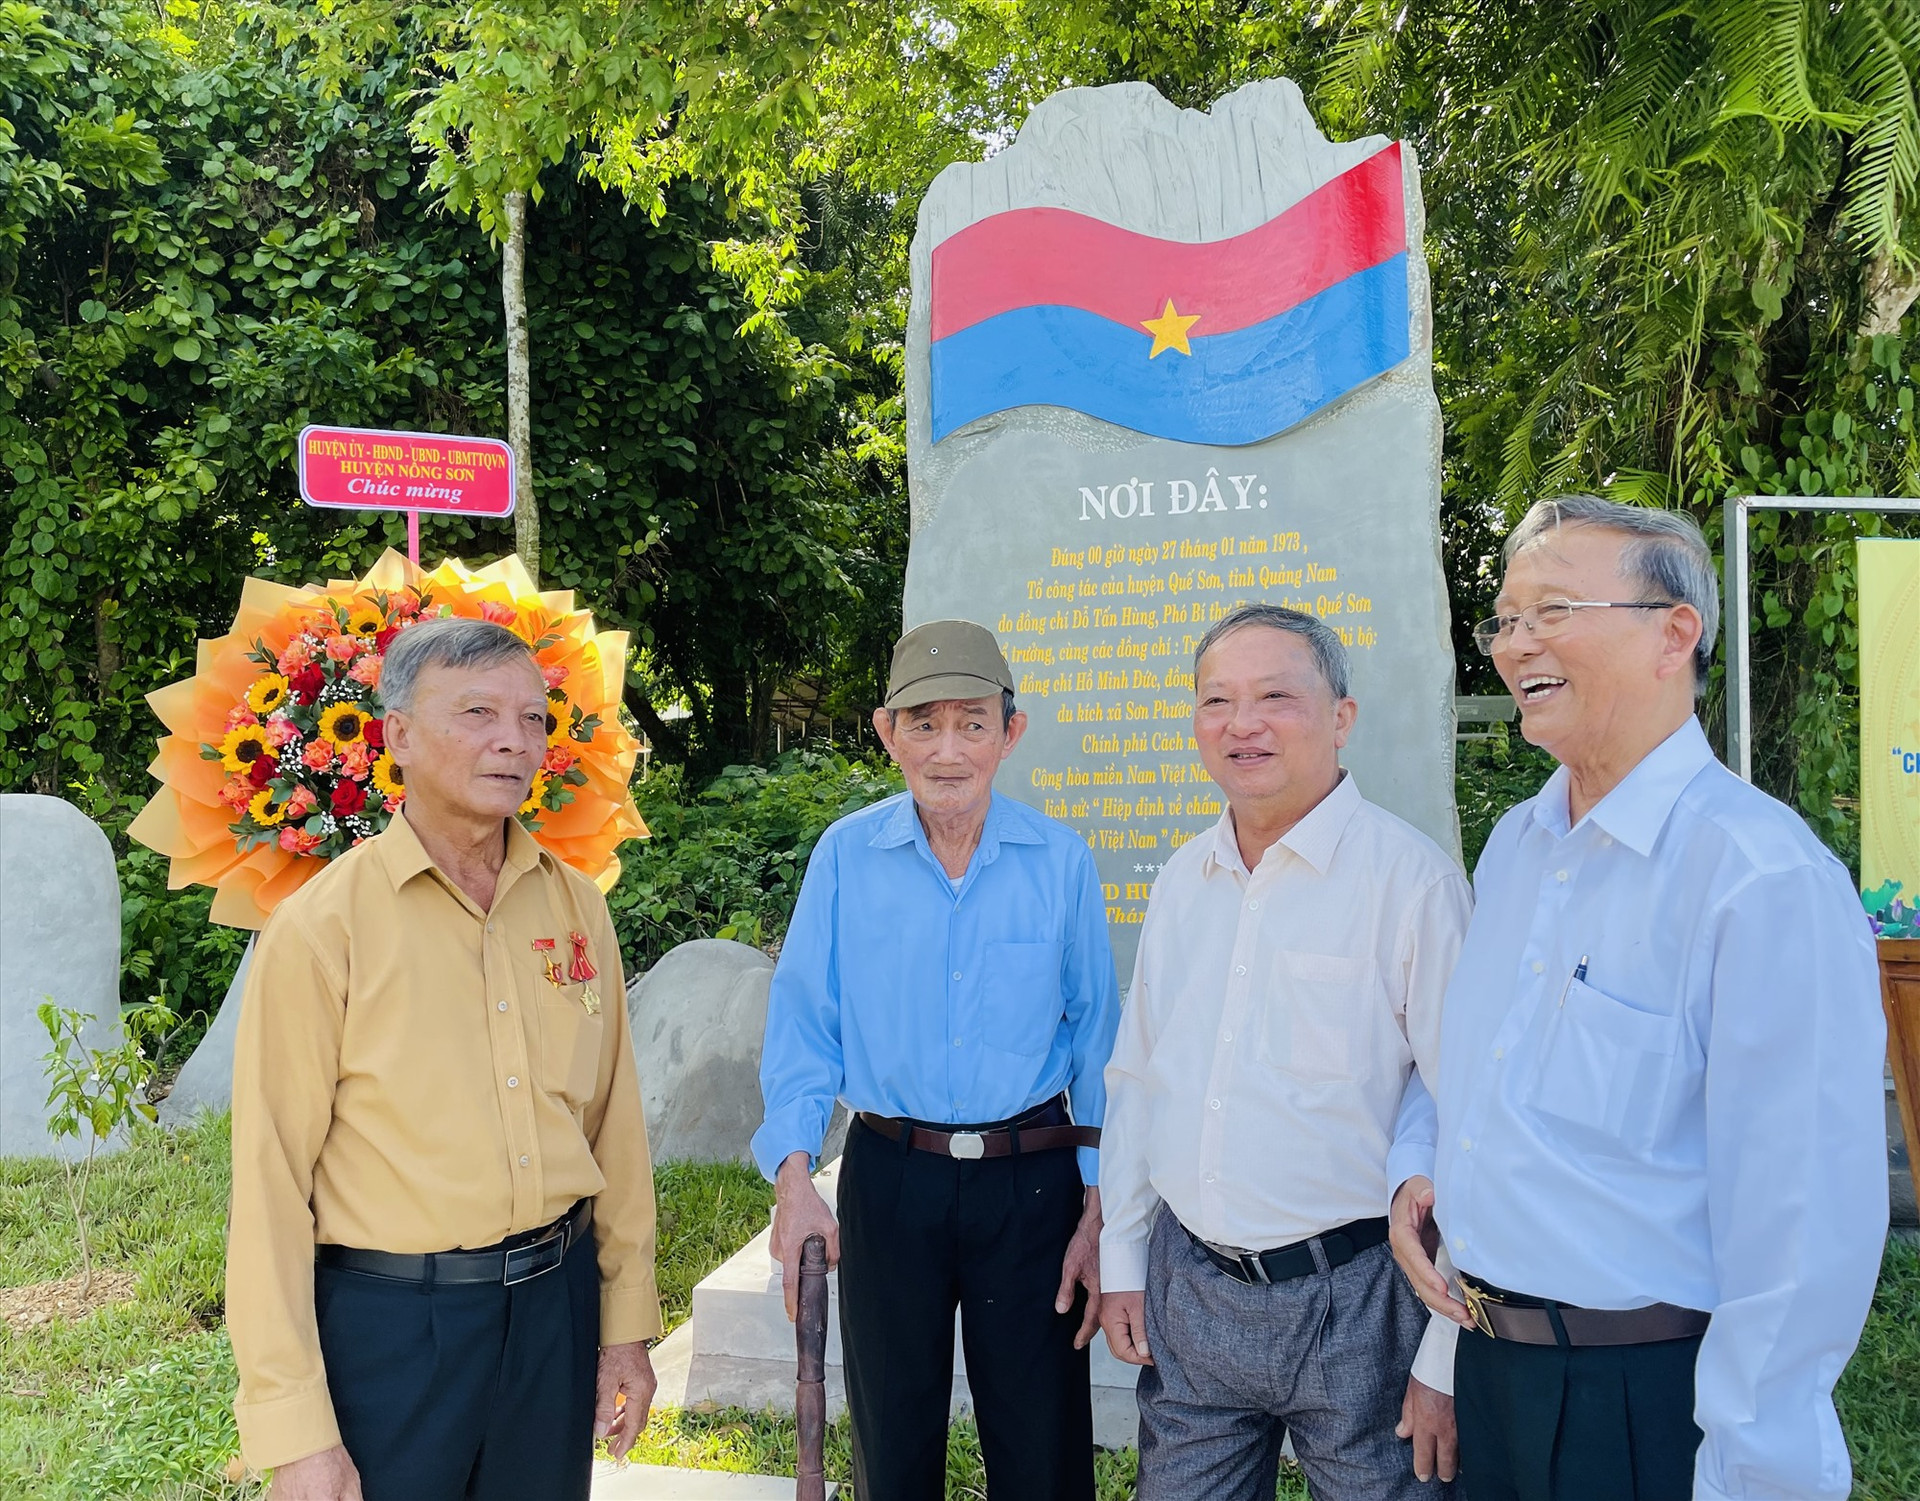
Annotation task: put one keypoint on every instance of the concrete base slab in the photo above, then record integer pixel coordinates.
(669, 1483)
(737, 1349)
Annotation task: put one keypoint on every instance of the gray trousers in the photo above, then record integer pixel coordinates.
(1236, 1367)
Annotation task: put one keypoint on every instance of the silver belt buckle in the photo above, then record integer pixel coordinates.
(524, 1263)
(967, 1145)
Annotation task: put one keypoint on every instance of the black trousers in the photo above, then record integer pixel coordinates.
(1594, 1423)
(919, 1235)
(467, 1392)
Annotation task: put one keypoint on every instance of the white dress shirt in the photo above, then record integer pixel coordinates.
(1273, 1021)
(1661, 1082)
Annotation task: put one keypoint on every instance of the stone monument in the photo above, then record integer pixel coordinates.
(1161, 362)
(59, 941)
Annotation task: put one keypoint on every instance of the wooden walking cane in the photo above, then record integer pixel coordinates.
(810, 1392)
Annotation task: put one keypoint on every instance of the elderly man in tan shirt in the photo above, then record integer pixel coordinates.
(440, 1280)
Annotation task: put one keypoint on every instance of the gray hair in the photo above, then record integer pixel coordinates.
(1665, 555)
(456, 642)
(1329, 655)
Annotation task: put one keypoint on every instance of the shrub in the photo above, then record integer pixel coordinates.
(728, 862)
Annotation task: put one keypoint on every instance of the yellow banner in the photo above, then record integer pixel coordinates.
(1890, 735)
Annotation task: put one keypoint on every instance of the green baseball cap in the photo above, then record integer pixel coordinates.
(946, 659)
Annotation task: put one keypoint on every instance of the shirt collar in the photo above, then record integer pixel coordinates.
(405, 856)
(1004, 826)
(1637, 810)
(1314, 838)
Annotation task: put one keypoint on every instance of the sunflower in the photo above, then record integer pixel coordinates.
(243, 747)
(557, 719)
(388, 779)
(533, 803)
(268, 693)
(343, 724)
(366, 619)
(266, 812)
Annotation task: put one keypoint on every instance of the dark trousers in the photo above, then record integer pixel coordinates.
(1596, 1423)
(465, 1392)
(919, 1235)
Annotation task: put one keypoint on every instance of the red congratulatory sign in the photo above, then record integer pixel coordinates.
(360, 469)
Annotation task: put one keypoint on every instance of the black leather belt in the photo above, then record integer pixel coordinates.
(1500, 1314)
(1045, 1128)
(518, 1258)
(1339, 1245)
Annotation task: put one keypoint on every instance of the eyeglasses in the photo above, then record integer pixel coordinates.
(1549, 617)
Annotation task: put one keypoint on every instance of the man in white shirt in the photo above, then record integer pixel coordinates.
(1289, 974)
(1656, 1131)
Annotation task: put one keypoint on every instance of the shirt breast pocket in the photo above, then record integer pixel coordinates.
(1021, 1002)
(569, 1050)
(1604, 1067)
(1314, 1009)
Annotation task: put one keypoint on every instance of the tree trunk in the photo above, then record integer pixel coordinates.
(668, 743)
(513, 288)
(1890, 292)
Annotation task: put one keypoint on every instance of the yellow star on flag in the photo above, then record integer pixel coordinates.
(1169, 331)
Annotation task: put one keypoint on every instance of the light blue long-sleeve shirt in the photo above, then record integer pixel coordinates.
(1660, 1081)
(902, 994)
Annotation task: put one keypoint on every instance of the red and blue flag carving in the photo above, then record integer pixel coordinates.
(1227, 341)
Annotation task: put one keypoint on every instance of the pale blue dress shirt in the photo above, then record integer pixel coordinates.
(904, 993)
(1660, 1081)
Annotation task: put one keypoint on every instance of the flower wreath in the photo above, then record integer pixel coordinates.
(277, 760)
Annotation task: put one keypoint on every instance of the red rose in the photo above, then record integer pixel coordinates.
(262, 770)
(374, 732)
(348, 797)
(305, 685)
(383, 639)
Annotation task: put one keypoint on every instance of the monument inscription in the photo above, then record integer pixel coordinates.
(1229, 399)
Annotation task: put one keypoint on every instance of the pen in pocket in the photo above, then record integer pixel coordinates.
(1579, 973)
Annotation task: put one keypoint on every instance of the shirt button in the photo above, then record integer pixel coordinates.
(1226, 1037)
(1559, 875)
(1539, 968)
(512, 1083)
(1253, 906)
(1209, 1177)
(1606, 840)
(503, 1005)
(523, 1161)
(1214, 1104)
(489, 927)
(1466, 1144)
(1460, 1242)
(1239, 969)
(956, 974)
(956, 1042)
(1499, 1053)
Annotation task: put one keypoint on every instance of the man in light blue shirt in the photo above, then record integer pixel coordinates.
(1655, 1150)
(947, 975)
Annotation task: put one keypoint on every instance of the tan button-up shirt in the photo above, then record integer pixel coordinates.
(407, 1078)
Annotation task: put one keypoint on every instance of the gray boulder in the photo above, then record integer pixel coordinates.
(205, 1082)
(59, 941)
(698, 1017)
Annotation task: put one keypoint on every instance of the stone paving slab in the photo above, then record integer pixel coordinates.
(668, 1483)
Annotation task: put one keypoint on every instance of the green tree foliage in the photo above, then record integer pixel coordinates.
(1673, 246)
(202, 249)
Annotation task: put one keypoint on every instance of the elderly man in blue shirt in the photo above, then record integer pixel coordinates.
(947, 975)
(1655, 1148)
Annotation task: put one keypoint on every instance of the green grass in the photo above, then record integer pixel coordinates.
(135, 1400)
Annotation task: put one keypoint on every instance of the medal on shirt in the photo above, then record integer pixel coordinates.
(544, 947)
(581, 972)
